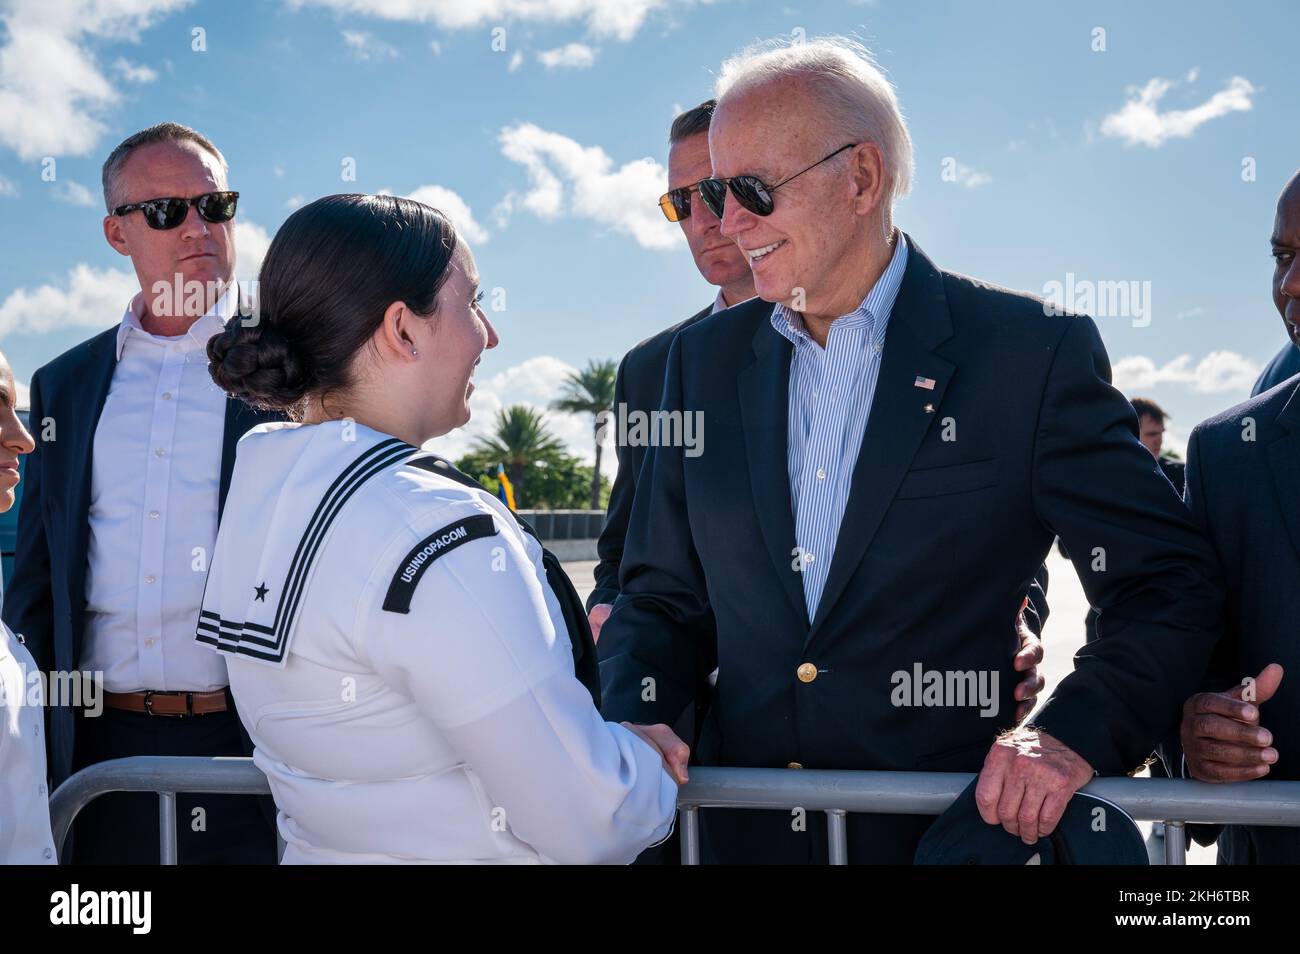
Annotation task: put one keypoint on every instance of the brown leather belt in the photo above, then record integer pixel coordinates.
(159, 703)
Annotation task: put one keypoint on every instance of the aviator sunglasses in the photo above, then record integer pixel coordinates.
(164, 214)
(676, 203)
(751, 191)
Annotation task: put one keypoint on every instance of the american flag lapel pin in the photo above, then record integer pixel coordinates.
(925, 383)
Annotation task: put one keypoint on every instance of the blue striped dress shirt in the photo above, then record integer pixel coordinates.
(831, 391)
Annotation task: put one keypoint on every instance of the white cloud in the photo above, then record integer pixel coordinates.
(616, 18)
(251, 243)
(1140, 121)
(367, 46)
(134, 73)
(455, 208)
(567, 178)
(53, 94)
(968, 177)
(436, 47)
(74, 193)
(294, 201)
(516, 61)
(1217, 372)
(536, 382)
(575, 56)
(89, 298)
(7, 188)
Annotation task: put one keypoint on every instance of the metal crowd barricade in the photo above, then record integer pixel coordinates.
(163, 774)
(1176, 802)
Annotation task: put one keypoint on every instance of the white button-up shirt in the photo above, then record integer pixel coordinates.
(155, 479)
(831, 392)
(25, 837)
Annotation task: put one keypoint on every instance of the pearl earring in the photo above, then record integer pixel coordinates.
(414, 352)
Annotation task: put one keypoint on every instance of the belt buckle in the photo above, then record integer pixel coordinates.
(189, 702)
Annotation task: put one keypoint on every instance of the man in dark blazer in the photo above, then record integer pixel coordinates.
(951, 497)
(639, 387)
(1243, 475)
(138, 393)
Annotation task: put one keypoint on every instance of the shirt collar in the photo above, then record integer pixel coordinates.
(875, 308)
(198, 334)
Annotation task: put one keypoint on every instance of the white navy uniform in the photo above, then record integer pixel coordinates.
(25, 837)
(403, 668)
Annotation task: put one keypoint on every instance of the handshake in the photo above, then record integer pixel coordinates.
(671, 749)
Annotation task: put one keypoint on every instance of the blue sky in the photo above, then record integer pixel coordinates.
(1157, 159)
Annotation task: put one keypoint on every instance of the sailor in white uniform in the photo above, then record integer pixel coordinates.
(403, 668)
(394, 648)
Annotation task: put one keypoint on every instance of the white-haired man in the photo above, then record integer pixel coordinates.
(877, 492)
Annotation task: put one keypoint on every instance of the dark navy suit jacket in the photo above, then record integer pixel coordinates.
(46, 599)
(939, 544)
(638, 387)
(1243, 488)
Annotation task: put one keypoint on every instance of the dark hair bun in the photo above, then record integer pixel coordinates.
(331, 271)
(256, 363)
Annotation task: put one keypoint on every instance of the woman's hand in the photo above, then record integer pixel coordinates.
(673, 750)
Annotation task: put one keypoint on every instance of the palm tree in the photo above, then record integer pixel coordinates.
(590, 391)
(519, 440)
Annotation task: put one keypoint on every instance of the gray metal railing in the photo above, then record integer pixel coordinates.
(163, 774)
(1174, 801)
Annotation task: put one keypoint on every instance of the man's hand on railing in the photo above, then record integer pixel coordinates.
(1026, 660)
(1221, 735)
(663, 739)
(1027, 780)
(599, 613)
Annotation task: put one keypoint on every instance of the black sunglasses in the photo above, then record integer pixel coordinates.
(676, 203)
(169, 213)
(751, 191)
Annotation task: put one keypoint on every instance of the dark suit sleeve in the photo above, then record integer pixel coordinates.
(661, 621)
(609, 548)
(29, 601)
(1219, 676)
(1140, 558)
(1222, 673)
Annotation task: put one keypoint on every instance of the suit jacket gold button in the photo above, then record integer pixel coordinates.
(795, 765)
(807, 672)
